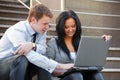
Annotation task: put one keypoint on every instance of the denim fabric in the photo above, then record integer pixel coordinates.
(13, 68)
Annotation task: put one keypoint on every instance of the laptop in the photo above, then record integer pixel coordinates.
(92, 53)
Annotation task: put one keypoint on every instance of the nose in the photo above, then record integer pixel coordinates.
(47, 26)
(70, 29)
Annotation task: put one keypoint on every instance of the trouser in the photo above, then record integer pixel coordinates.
(13, 68)
(84, 75)
(41, 74)
(92, 75)
(18, 68)
(73, 76)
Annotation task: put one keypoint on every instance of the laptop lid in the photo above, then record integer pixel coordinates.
(92, 52)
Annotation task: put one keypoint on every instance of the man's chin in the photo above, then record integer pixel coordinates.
(42, 32)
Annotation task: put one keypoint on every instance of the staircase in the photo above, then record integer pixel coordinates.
(98, 17)
(10, 13)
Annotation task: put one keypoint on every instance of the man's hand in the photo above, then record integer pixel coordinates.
(24, 48)
(61, 69)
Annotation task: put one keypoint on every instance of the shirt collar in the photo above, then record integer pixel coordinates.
(29, 28)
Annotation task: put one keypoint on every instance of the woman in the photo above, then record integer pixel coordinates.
(63, 49)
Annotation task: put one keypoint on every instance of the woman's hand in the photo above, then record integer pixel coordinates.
(106, 37)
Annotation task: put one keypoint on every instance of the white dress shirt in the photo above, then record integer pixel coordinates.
(22, 32)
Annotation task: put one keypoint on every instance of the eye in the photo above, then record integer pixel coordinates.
(66, 27)
(74, 26)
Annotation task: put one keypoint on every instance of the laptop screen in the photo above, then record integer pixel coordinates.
(92, 52)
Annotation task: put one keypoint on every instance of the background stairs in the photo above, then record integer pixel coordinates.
(10, 13)
(97, 17)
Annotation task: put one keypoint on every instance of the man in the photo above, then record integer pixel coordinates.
(21, 51)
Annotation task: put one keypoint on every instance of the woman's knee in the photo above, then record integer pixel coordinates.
(73, 76)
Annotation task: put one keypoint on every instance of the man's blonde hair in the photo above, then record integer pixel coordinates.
(38, 11)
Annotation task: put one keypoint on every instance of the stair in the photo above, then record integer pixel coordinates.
(98, 17)
(10, 13)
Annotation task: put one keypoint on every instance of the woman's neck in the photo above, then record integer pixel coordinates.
(68, 42)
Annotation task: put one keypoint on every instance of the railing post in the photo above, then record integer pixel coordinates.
(62, 5)
(31, 3)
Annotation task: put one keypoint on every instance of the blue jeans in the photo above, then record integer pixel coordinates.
(19, 68)
(13, 68)
(84, 75)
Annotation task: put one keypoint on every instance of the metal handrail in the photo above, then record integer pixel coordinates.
(30, 3)
(24, 4)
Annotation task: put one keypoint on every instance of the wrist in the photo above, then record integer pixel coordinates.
(59, 66)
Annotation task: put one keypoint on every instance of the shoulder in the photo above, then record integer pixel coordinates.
(19, 26)
(52, 41)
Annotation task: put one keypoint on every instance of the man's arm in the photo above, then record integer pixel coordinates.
(46, 63)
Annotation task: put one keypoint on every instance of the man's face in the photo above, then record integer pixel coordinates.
(42, 25)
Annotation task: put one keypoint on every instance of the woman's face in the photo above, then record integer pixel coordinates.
(70, 27)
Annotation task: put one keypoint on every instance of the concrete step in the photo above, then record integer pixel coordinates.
(95, 19)
(94, 6)
(4, 27)
(94, 31)
(10, 21)
(4, 6)
(1, 34)
(13, 14)
(111, 74)
(98, 32)
(114, 52)
(10, 2)
(112, 62)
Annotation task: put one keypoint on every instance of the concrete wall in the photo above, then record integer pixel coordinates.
(52, 4)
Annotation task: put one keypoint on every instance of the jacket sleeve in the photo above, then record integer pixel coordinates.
(51, 49)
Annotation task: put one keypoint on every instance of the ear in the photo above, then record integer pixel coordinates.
(33, 20)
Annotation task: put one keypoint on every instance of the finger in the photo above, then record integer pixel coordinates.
(25, 53)
(20, 51)
(16, 52)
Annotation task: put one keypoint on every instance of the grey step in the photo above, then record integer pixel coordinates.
(1, 34)
(9, 2)
(96, 32)
(10, 21)
(114, 52)
(111, 74)
(96, 6)
(4, 27)
(13, 7)
(95, 19)
(13, 14)
(112, 62)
